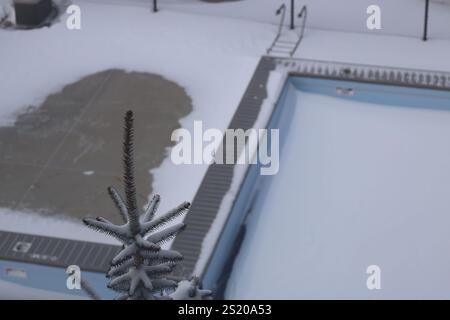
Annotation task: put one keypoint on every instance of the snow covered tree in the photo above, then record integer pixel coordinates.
(139, 270)
(189, 290)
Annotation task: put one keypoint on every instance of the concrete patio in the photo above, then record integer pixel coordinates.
(60, 157)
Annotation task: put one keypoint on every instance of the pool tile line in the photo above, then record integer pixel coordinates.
(417, 78)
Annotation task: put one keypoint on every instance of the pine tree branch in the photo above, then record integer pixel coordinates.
(120, 204)
(165, 218)
(151, 209)
(118, 269)
(128, 177)
(190, 290)
(159, 284)
(125, 253)
(119, 232)
(164, 256)
(138, 271)
(166, 234)
(89, 291)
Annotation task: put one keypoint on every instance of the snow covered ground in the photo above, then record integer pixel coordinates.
(212, 58)
(399, 17)
(62, 227)
(359, 184)
(336, 29)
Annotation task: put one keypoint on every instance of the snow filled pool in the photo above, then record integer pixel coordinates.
(364, 180)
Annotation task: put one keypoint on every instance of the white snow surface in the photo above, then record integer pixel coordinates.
(398, 18)
(7, 10)
(212, 58)
(50, 226)
(359, 184)
(275, 84)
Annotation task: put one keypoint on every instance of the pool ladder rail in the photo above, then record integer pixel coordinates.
(283, 46)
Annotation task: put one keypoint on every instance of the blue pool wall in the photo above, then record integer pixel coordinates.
(54, 279)
(393, 95)
(220, 263)
(254, 185)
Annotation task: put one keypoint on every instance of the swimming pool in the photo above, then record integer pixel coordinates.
(364, 180)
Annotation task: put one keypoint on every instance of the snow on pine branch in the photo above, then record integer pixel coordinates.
(139, 270)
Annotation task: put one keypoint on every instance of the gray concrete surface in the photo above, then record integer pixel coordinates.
(60, 157)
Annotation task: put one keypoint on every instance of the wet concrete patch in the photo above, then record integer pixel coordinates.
(60, 157)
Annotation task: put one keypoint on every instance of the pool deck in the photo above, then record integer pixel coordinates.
(218, 178)
(60, 157)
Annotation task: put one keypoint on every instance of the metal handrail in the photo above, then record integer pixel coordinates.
(303, 14)
(281, 10)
